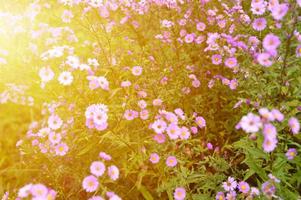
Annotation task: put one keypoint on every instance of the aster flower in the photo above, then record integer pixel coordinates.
(113, 172)
(200, 121)
(279, 11)
(254, 192)
(96, 198)
(54, 122)
(277, 115)
(105, 156)
(268, 189)
(159, 126)
(231, 195)
(171, 161)
(184, 133)
(173, 131)
(230, 184)
(271, 42)
(154, 158)
(46, 74)
(216, 59)
(61, 149)
(269, 131)
(251, 123)
(160, 138)
(65, 78)
(97, 168)
(189, 38)
(243, 187)
(231, 62)
(180, 193)
(220, 196)
(264, 59)
(90, 183)
(291, 153)
(137, 70)
(39, 190)
(294, 125)
(25, 191)
(259, 24)
(269, 144)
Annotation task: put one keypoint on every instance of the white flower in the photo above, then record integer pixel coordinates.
(65, 78)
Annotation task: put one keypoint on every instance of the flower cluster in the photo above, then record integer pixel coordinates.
(97, 117)
(252, 123)
(97, 169)
(36, 192)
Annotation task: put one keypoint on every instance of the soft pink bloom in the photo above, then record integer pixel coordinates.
(259, 24)
(39, 190)
(200, 121)
(173, 131)
(230, 184)
(90, 183)
(294, 125)
(137, 70)
(184, 133)
(269, 144)
(105, 156)
(271, 42)
(180, 193)
(144, 114)
(216, 59)
(171, 161)
(291, 153)
(160, 138)
(264, 59)
(231, 62)
(189, 38)
(200, 26)
(54, 122)
(61, 149)
(243, 187)
(154, 158)
(113, 172)
(97, 168)
(269, 131)
(130, 114)
(277, 115)
(159, 126)
(251, 123)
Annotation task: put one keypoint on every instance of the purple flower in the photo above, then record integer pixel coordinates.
(243, 187)
(269, 131)
(294, 125)
(250, 123)
(231, 62)
(216, 59)
(220, 196)
(268, 189)
(230, 184)
(271, 42)
(279, 11)
(269, 144)
(291, 153)
(259, 24)
(264, 59)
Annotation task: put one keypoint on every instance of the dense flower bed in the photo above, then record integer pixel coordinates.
(150, 99)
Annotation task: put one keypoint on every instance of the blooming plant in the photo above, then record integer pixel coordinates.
(150, 99)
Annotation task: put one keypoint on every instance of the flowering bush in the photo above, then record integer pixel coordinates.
(150, 99)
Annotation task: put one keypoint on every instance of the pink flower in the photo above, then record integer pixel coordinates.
(159, 126)
(189, 38)
(266, 114)
(39, 190)
(61, 149)
(298, 50)
(46, 74)
(157, 102)
(137, 70)
(264, 59)
(216, 59)
(173, 131)
(269, 144)
(231, 62)
(200, 121)
(90, 183)
(144, 114)
(105, 156)
(277, 115)
(113, 172)
(97, 168)
(269, 131)
(130, 114)
(200, 26)
(294, 125)
(154, 158)
(243, 187)
(171, 161)
(96, 198)
(54, 122)
(279, 11)
(291, 153)
(230, 184)
(180, 193)
(54, 138)
(259, 24)
(251, 123)
(184, 133)
(271, 42)
(160, 138)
